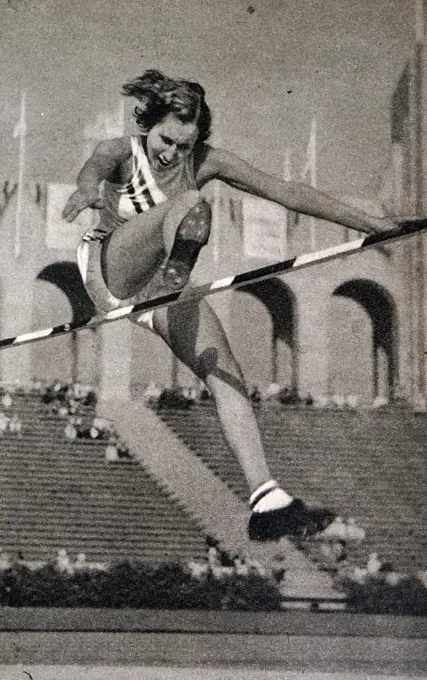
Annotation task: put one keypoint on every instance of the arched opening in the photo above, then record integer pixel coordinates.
(264, 333)
(362, 342)
(66, 276)
(72, 357)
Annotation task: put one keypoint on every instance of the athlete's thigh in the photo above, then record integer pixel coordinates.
(133, 252)
(196, 336)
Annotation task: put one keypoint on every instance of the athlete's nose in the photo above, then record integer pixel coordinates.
(170, 153)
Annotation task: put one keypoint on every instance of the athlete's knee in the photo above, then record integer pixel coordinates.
(215, 371)
(186, 201)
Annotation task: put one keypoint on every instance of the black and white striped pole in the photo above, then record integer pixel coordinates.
(403, 230)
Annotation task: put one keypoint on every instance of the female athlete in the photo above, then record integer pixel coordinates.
(153, 223)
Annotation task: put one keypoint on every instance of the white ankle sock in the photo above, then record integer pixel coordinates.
(269, 496)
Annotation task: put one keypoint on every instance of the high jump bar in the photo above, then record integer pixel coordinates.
(403, 230)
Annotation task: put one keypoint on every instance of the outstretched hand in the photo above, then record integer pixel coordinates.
(379, 225)
(79, 201)
(401, 226)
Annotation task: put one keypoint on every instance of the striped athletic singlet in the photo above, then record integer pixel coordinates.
(145, 189)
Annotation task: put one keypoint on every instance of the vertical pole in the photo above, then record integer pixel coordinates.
(216, 199)
(74, 357)
(22, 134)
(216, 221)
(313, 180)
(420, 163)
(287, 176)
(310, 170)
(121, 118)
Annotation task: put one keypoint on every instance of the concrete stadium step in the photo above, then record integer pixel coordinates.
(206, 496)
(96, 503)
(116, 551)
(57, 493)
(357, 462)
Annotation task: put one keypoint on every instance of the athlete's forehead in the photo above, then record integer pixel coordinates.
(176, 130)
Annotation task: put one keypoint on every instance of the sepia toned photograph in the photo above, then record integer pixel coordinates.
(213, 340)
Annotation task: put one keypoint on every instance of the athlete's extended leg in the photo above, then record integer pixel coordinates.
(194, 333)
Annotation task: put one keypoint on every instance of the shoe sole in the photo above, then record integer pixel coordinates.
(265, 527)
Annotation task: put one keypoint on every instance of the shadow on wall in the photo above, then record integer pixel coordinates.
(73, 356)
(362, 340)
(66, 276)
(264, 333)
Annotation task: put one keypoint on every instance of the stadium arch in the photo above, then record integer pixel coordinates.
(264, 331)
(363, 340)
(73, 357)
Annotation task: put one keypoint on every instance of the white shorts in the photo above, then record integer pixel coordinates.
(89, 264)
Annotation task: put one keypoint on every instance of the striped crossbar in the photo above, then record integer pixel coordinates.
(403, 230)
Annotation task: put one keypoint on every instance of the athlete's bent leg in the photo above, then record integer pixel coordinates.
(191, 235)
(133, 253)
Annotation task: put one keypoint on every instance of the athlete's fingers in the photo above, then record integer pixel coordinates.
(67, 209)
(78, 202)
(71, 211)
(386, 224)
(380, 225)
(75, 202)
(411, 223)
(72, 214)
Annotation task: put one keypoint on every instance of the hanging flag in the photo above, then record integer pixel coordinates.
(264, 229)
(291, 217)
(309, 172)
(420, 21)
(20, 128)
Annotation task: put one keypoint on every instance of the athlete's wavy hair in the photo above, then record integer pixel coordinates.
(159, 95)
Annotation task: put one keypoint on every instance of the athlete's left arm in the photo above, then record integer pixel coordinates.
(295, 196)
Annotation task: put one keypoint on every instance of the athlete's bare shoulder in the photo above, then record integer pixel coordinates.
(118, 148)
(205, 163)
(115, 156)
(211, 162)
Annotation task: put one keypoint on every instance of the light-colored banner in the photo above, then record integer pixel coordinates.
(264, 229)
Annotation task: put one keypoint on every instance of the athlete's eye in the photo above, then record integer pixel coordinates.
(166, 140)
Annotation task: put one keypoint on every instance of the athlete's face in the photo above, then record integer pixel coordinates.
(170, 142)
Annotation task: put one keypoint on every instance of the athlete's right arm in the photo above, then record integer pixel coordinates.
(105, 163)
